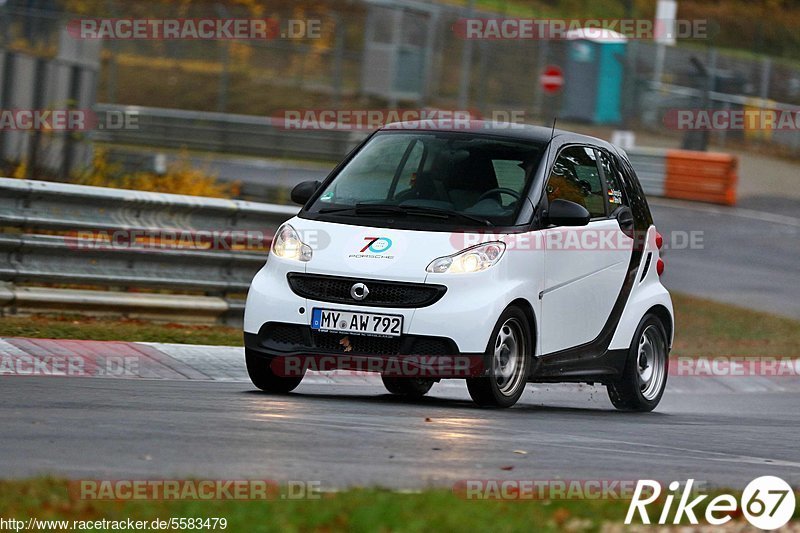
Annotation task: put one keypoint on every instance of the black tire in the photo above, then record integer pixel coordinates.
(498, 389)
(264, 377)
(409, 387)
(632, 391)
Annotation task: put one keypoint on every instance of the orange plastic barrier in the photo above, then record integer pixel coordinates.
(701, 176)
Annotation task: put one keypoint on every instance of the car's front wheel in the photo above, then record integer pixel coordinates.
(509, 357)
(409, 387)
(645, 376)
(263, 375)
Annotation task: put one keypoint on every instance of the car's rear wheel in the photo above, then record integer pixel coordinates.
(645, 376)
(409, 387)
(263, 376)
(509, 357)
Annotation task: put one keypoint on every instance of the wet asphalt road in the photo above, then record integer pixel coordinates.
(343, 435)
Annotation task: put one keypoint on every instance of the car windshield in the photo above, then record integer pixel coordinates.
(441, 178)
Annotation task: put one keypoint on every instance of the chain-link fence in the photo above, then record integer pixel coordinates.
(408, 53)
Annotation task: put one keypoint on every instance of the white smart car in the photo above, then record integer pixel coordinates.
(503, 254)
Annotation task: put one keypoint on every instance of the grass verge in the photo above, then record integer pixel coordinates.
(108, 329)
(706, 328)
(356, 510)
(703, 328)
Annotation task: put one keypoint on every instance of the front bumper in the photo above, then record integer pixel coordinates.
(296, 346)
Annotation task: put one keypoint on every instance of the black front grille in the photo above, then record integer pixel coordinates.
(432, 346)
(381, 293)
(285, 334)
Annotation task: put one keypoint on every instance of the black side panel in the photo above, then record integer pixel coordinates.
(602, 369)
(646, 266)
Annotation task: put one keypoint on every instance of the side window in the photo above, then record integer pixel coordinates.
(575, 177)
(616, 192)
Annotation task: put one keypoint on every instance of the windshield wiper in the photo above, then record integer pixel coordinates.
(422, 210)
(392, 209)
(446, 213)
(367, 209)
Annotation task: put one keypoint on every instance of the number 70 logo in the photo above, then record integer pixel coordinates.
(376, 245)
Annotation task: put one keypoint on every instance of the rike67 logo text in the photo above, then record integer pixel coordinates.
(768, 502)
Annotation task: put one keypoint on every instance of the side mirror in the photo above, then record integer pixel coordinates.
(302, 192)
(566, 213)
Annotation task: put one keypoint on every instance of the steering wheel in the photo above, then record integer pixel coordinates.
(500, 190)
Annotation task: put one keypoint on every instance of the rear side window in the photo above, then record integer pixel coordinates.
(635, 193)
(614, 182)
(575, 177)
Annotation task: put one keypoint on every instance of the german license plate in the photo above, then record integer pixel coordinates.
(357, 323)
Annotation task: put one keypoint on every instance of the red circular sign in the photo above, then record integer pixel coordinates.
(552, 79)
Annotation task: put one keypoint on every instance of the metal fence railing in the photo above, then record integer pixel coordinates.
(650, 167)
(224, 132)
(70, 236)
(368, 54)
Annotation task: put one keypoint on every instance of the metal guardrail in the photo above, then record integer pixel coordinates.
(650, 167)
(265, 137)
(51, 235)
(225, 133)
(664, 97)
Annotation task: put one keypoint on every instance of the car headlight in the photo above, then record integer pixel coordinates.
(473, 259)
(287, 245)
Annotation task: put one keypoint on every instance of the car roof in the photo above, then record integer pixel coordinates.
(510, 130)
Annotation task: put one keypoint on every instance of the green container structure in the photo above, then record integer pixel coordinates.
(593, 75)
